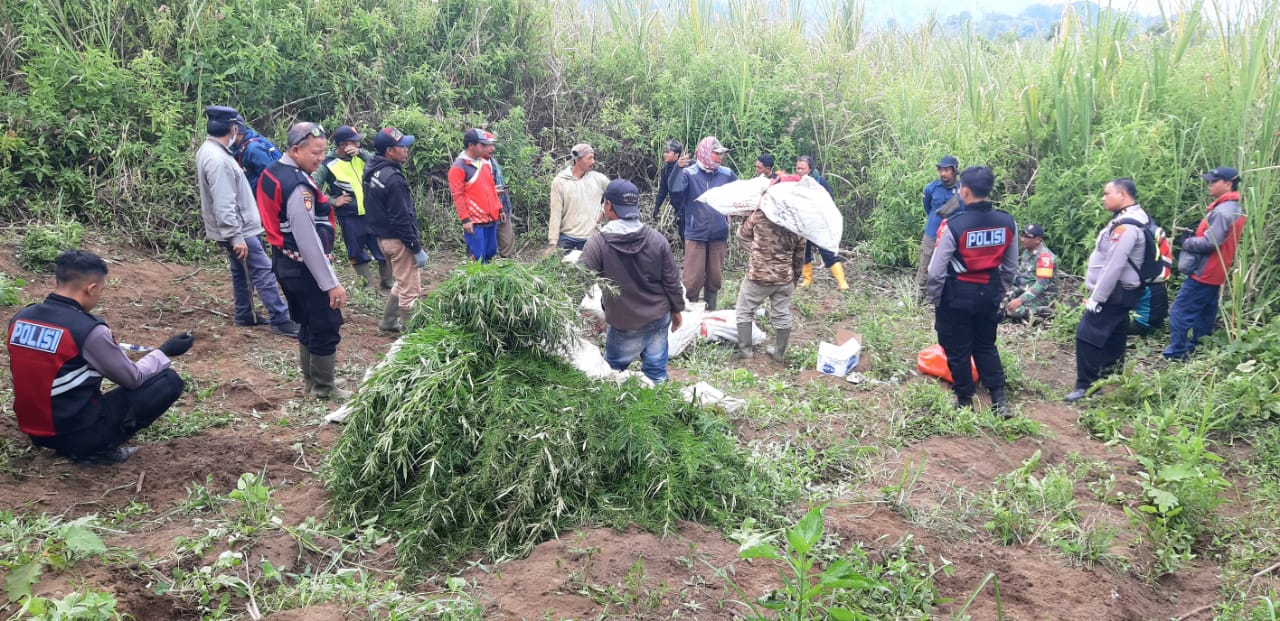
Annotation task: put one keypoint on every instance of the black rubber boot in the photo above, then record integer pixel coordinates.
(744, 343)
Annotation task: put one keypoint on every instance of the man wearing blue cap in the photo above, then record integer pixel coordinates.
(253, 152)
(341, 179)
(941, 200)
(649, 300)
(231, 219)
(393, 219)
(1206, 260)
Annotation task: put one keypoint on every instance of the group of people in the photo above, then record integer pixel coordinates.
(973, 275)
(302, 196)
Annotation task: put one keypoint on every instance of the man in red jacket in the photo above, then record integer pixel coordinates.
(473, 186)
(1206, 259)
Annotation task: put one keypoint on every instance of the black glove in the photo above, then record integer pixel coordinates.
(178, 344)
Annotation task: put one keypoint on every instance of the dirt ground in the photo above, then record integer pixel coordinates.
(584, 574)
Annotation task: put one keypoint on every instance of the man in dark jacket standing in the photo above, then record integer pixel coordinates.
(392, 217)
(670, 157)
(638, 259)
(706, 231)
(1206, 259)
(972, 266)
(341, 178)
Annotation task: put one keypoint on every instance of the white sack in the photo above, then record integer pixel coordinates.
(736, 198)
(680, 340)
(722, 325)
(804, 207)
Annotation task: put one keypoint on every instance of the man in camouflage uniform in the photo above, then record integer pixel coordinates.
(1034, 287)
(777, 256)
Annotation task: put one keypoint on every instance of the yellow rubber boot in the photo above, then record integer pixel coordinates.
(837, 270)
(806, 275)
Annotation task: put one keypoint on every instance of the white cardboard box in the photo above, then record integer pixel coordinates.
(838, 360)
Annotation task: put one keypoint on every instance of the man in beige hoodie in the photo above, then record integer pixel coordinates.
(576, 201)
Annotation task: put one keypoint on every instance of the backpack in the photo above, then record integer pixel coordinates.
(1154, 263)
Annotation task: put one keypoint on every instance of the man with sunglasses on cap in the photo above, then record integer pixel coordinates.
(301, 228)
(576, 201)
(473, 185)
(394, 220)
(1206, 259)
(231, 219)
(341, 177)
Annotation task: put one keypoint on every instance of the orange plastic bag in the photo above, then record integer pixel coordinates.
(933, 361)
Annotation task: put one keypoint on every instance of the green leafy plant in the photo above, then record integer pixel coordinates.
(42, 243)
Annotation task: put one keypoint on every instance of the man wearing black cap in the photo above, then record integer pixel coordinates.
(670, 157)
(231, 219)
(973, 265)
(341, 177)
(474, 189)
(937, 194)
(1206, 258)
(638, 259)
(300, 226)
(254, 152)
(394, 220)
(58, 355)
(1035, 285)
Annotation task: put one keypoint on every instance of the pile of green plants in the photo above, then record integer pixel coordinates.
(474, 438)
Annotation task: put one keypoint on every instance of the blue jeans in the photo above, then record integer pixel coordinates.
(649, 343)
(1195, 309)
(482, 242)
(263, 280)
(568, 244)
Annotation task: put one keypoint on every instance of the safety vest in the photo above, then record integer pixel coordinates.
(982, 237)
(278, 183)
(52, 381)
(349, 175)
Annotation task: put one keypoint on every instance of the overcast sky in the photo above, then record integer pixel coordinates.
(914, 11)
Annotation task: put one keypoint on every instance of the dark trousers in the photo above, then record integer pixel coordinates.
(965, 334)
(1194, 310)
(318, 325)
(121, 414)
(1100, 340)
(361, 243)
(828, 258)
(264, 283)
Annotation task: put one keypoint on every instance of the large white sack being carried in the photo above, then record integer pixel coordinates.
(736, 198)
(804, 207)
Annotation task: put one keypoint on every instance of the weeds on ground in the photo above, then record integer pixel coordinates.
(11, 290)
(30, 544)
(43, 243)
(927, 410)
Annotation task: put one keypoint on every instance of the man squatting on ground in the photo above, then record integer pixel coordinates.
(231, 219)
(1114, 286)
(394, 220)
(301, 229)
(58, 355)
(575, 201)
(971, 267)
(1035, 285)
(341, 177)
(638, 259)
(474, 189)
(774, 266)
(706, 230)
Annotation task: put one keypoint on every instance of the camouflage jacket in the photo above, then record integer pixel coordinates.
(1036, 280)
(776, 253)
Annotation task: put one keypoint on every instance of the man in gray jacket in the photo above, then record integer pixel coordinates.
(638, 260)
(1114, 286)
(231, 219)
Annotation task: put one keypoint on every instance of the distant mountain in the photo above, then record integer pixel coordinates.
(1035, 20)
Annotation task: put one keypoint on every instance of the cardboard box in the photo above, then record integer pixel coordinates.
(839, 359)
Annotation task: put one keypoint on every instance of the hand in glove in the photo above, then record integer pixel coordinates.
(420, 258)
(1092, 306)
(178, 344)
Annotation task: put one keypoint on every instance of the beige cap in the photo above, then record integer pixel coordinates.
(581, 149)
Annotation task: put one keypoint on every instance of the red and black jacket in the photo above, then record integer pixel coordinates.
(982, 237)
(53, 384)
(276, 185)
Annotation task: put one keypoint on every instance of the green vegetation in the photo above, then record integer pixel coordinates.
(472, 439)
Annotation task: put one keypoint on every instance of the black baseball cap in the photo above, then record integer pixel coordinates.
(1032, 230)
(346, 133)
(1223, 173)
(949, 161)
(624, 197)
(475, 134)
(391, 137)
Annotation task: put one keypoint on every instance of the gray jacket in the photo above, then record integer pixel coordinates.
(227, 203)
(1118, 248)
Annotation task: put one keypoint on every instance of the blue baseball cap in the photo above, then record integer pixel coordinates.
(949, 161)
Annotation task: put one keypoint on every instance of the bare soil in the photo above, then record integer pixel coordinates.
(589, 573)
